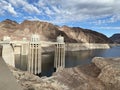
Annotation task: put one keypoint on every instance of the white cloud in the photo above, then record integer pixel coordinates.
(32, 18)
(111, 19)
(48, 11)
(80, 10)
(5, 6)
(11, 9)
(108, 28)
(64, 11)
(29, 8)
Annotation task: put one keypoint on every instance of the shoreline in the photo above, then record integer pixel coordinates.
(86, 77)
(77, 47)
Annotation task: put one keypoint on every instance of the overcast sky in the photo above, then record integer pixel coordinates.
(100, 15)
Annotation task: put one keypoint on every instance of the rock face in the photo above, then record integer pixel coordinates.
(80, 78)
(101, 74)
(110, 72)
(32, 82)
(49, 32)
(115, 38)
(85, 35)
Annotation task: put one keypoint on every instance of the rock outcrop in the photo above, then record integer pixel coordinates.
(110, 72)
(80, 78)
(85, 35)
(32, 82)
(49, 32)
(101, 74)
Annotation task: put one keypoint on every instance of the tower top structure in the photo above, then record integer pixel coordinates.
(60, 39)
(6, 38)
(35, 38)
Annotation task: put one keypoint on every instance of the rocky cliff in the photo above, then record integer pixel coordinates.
(115, 38)
(49, 32)
(85, 35)
(101, 74)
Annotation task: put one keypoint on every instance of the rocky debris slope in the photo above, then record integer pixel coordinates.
(80, 78)
(110, 72)
(101, 74)
(84, 35)
(49, 32)
(32, 82)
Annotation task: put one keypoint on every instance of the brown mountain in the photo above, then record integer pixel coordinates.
(85, 35)
(49, 32)
(115, 38)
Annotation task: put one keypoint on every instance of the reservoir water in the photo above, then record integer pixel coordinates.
(72, 59)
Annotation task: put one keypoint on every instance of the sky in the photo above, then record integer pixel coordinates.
(99, 15)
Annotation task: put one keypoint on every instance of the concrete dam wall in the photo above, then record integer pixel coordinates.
(8, 54)
(19, 55)
(7, 80)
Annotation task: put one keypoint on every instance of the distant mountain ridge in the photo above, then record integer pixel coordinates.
(49, 32)
(115, 38)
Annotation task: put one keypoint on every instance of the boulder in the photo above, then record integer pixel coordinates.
(110, 72)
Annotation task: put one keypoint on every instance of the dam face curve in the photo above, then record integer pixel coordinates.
(8, 54)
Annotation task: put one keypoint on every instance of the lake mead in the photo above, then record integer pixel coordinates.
(72, 58)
